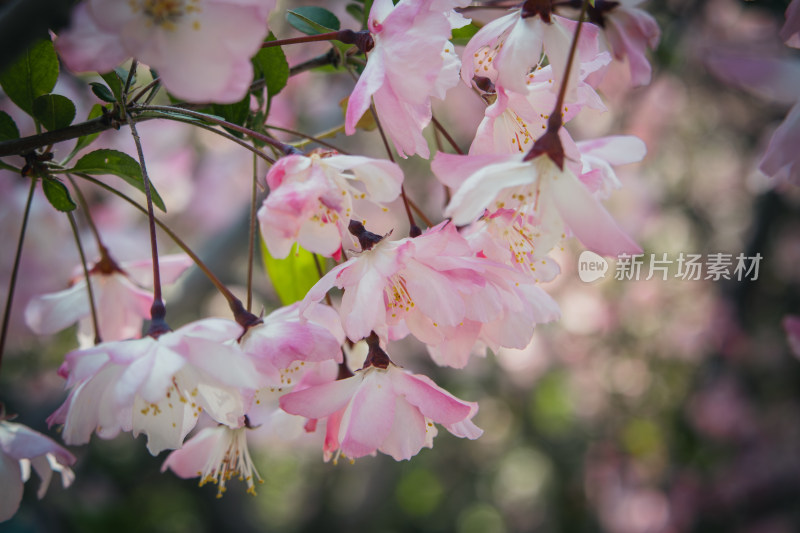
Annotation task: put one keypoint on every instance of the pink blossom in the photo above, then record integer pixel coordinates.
(790, 33)
(215, 455)
(599, 156)
(515, 121)
(630, 31)
(312, 199)
(508, 48)
(427, 282)
(201, 49)
(555, 198)
(410, 63)
(122, 305)
(156, 386)
(384, 408)
(20, 449)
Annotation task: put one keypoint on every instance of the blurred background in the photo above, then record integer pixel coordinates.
(651, 406)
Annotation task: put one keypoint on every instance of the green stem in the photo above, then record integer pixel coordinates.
(13, 283)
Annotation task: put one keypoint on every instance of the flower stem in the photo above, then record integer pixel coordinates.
(251, 243)
(158, 311)
(13, 283)
(362, 39)
(89, 289)
(234, 303)
(447, 136)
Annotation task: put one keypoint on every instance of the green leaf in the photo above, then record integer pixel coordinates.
(86, 140)
(115, 83)
(461, 36)
(58, 195)
(356, 11)
(33, 75)
(102, 92)
(54, 111)
(292, 277)
(272, 65)
(236, 113)
(105, 161)
(8, 128)
(313, 20)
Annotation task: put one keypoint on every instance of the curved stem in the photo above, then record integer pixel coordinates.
(101, 248)
(233, 302)
(447, 136)
(89, 289)
(13, 282)
(317, 139)
(285, 148)
(157, 311)
(252, 237)
(221, 133)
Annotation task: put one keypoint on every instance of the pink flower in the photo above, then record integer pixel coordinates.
(156, 386)
(508, 48)
(384, 408)
(201, 49)
(20, 449)
(312, 199)
(782, 158)
(286, 337)
(556, 199)
(215, 455)
(516, 120)
(630, 31)
(600, 155)
(122, 305)
(790, 33)
(428, 282)
(405, 68)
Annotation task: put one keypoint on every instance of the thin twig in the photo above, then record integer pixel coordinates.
(89, 289)
(13, 282)
(252, 236)
(447, 136)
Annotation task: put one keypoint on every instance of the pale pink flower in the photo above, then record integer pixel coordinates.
(121, 302)
(507, 49)
(405, 68)
(427, 282)
(285, 337)
(20, 449)
(156, 386)
(790, 33)
(556, 199)
(630, 31)
(384, 408)
(215, 455)
(312, 199)
(200, 48)
(599, 156)
(515, 121)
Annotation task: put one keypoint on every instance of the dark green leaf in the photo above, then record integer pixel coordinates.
(8, 128)
(105, 161)
(367, 9)
(54, 111)
(272, 65)
(292, 277)
(357, 11)
(33, 75)
(461, 36)
(102, 92)
(115, 82)
(236, 113)
(58, 195)
(86, 140)
(312, 20)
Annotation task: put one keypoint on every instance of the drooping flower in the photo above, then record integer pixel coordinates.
(156, 386)
(406, 67)
(507, 49)
(121, 302)
(555, 199)
(312, 199)
(200, 48)
(215, 455)
(20, 449)
(630, 31)
(384, 408)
